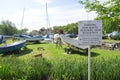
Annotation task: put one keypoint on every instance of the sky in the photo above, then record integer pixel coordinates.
(60, 12)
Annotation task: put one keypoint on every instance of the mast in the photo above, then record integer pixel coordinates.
(47, 16)
(22, 18)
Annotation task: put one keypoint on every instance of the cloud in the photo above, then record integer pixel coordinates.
(62, 16)
(35, 18)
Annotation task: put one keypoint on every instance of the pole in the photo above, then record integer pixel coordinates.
(89, 62)
(47, 16)
(22, 18)
(47, 19)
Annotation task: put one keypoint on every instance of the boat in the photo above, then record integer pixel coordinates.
(1, 39)
(28, 38)
(72, 43)
(47, 37)
(14, 47)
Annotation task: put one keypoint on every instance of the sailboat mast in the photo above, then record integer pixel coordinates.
(22, 18)
(47, 17)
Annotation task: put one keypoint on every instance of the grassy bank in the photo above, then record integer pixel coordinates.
(55, 65)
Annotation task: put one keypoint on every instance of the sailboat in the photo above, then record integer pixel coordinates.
(47, 37)
(26, 37)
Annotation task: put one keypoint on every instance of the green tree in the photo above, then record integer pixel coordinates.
(7, 28)
(69, 28)
(42, 31)
(57, 28)
(108, 12)
(34, 32)
(23, 31)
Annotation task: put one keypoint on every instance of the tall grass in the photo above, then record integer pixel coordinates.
(55, 65)
(12, 68)
(105, 68)
(69, 68)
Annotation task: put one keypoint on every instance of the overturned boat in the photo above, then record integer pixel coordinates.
(73, 43)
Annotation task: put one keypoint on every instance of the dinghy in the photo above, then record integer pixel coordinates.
(28, 38)
(1, 39)
(14, 47)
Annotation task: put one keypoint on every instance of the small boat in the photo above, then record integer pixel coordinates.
(1, 39)
(14, 47)
(28, 38)
(47, 37)
(72, 44)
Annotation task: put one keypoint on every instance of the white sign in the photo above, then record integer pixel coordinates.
(90, 32)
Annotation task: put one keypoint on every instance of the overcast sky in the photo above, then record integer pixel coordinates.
(61, 12)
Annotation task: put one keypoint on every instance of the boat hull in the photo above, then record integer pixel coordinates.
(12, 47)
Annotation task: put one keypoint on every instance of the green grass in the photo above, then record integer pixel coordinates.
(55, 65)
(110, 40)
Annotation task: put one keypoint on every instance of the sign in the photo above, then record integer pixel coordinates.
(90, 32)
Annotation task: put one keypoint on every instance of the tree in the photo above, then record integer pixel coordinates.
(7, 28)
(34, 32)
(108, 12)
(23, 31)
(57, 28)
(69, 28)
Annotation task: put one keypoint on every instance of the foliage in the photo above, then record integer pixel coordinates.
(56, 28)
(107, 11)
(44, 31)
(23, 31)
(33, 32)
(69, 28)
(7, 28)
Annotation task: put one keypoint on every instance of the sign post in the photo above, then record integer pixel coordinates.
(89, 62)
(90, 33)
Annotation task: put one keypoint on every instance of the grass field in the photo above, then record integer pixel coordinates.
(55, 65)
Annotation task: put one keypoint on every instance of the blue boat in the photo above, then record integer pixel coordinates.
(28, 38)
(14, 47)
(1, 39)
(47, 37)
